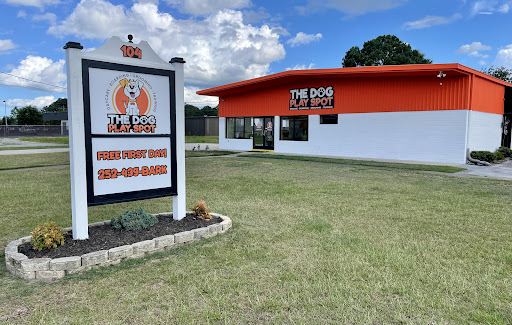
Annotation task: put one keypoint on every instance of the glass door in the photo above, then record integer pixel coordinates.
(263, 131)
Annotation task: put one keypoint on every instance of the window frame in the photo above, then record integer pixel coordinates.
(329, 115)
(235, 129)
(291, 126)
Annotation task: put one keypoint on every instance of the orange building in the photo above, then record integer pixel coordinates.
(431, 112)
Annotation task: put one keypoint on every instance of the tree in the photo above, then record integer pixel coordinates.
(383, 50)
(60, 105)
(499, 72)
(191, 110)
(9, 120)
(27, 115)
(210, 111)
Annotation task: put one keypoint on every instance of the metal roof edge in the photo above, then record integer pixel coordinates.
(386, 69)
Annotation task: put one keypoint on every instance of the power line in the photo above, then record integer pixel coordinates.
(44, 83)
(39, 82)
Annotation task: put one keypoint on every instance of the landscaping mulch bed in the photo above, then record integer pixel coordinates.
(107, 237)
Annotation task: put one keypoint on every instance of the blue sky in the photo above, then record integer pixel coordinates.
(225, 41)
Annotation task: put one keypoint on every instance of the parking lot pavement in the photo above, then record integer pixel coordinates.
(31, 151)
(16, 142)
(202, 146)
(188, 146)
(498, 171)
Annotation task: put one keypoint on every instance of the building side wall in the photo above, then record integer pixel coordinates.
(430, 136)
(484, 131)
(487, 96)
(356, 95)
(232, 144)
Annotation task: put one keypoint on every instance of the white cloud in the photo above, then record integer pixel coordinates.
(38, 102)
(32, 3)
(489, 7)
(301, 67)
(37, 73)
(253, 16)
(504, 57)
(206, 7)
(21, 14)
(49, 17)
(6, 44)
(350, 7)
(504, 8)
(302, 38)
(430, 21)
(218, 49)
(198, 100)
(474, 49)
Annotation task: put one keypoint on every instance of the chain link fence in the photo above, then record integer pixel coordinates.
(33, 130)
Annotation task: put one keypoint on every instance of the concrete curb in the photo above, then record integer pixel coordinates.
(48, 269)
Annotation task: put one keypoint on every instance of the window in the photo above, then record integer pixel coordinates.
(238, 128)
(329, 119)
(294, 128)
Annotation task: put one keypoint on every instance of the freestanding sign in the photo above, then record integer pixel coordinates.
(126, 136)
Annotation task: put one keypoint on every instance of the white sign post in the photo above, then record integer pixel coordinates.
(127, 137)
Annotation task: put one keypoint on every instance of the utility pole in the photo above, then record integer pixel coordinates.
(5, 117)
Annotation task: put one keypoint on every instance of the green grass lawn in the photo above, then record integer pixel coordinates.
(34, 160)
(62, 158)
(311, 243)
(189, 154)
(434, 168)
(62, 140)
(201, 139)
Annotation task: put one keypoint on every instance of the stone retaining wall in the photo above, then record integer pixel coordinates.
(56, 268)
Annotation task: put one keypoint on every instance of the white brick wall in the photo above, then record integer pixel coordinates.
(484, 131)
(436, 136)
(430, 136)
(232, 144)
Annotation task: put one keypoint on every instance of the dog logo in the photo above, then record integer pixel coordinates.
(131, 97)
(131, 102)
(132, 91)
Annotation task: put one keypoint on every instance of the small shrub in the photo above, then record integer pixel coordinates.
(201, 210)
(484, 156)
(507, 152)
(499, 155)
(47, 236)
(134, 220)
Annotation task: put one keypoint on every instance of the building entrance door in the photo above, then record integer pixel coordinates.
(263, 133)
(506, 124)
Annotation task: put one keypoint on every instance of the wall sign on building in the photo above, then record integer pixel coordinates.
(311, 98)
(125, 141)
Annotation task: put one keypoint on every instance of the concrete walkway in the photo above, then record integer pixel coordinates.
(202, 146)
(17, 143)
(498, 171)
(31, 151)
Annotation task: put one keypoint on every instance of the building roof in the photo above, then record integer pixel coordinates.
(357, 72)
